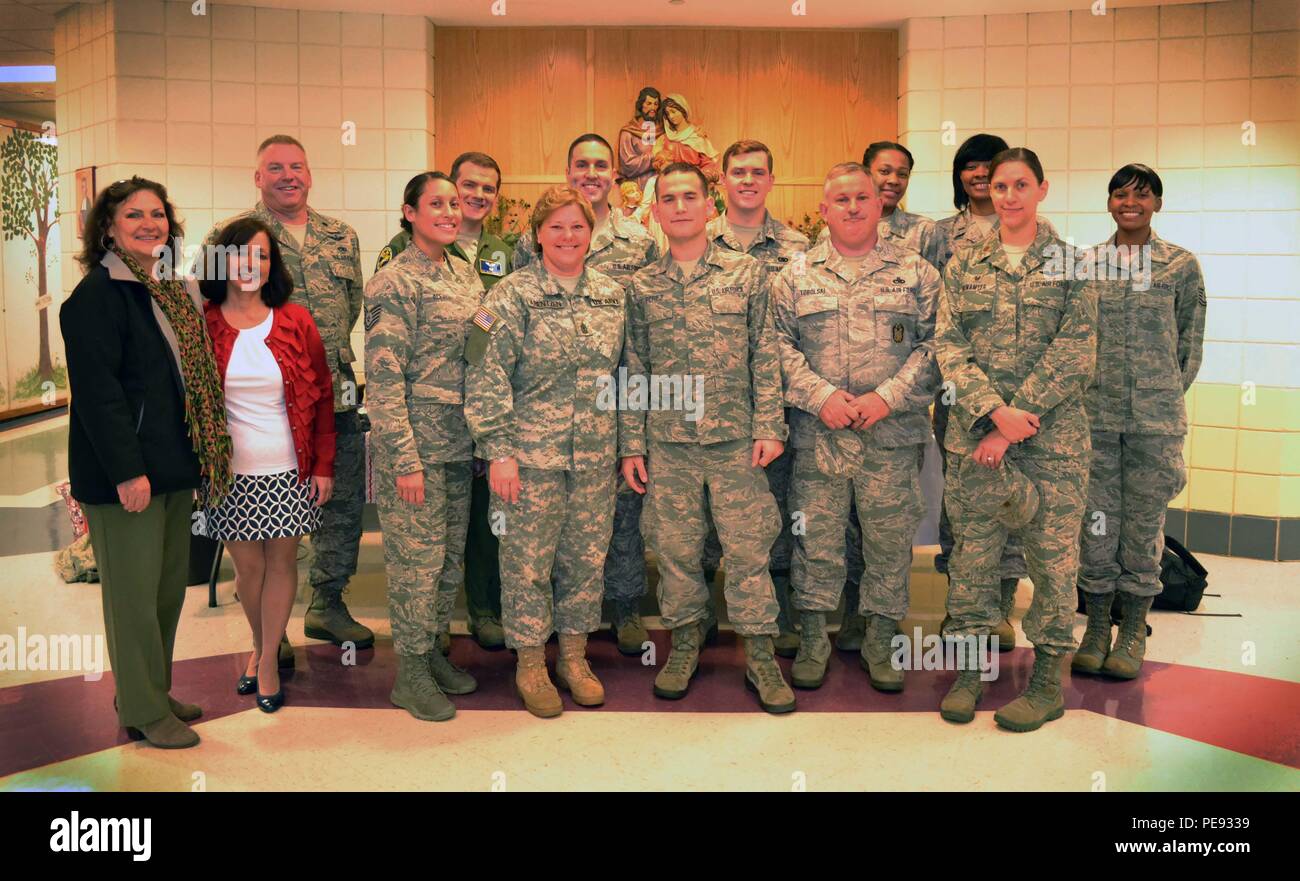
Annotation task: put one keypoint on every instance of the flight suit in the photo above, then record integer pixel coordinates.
(713, 328)
(540, 389)
(863, 332)
(1149, 338)
(1024, 337)
(417, 318)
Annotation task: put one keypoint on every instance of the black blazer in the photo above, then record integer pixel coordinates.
(127, 414)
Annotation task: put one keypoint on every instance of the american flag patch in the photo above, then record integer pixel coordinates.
(485, 320)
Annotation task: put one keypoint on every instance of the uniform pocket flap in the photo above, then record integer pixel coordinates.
(811, 305)
(895, 302)
(657, 310)
(1047, 298)
(730, 304)
(343, 269)
(1158, 380)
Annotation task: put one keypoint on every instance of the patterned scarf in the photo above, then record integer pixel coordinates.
(205, 402)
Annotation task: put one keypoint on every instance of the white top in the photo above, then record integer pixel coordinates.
(255, 410)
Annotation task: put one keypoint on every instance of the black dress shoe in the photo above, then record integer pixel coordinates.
(246, 685)
(269, 703)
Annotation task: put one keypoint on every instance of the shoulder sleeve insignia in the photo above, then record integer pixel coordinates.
(384, 257)
(486, 320)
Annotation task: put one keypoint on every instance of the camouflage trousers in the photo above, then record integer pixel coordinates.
(424, 552)
(1013, 558)
(1050, 542)
(336, 543)
(625, 575)
(886, 485)
(1133, 479)
(687, 481)
(553, 546)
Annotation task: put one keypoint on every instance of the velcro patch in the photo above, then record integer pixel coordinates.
(486, 320)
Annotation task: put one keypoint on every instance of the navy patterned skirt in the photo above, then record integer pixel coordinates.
(262, 506)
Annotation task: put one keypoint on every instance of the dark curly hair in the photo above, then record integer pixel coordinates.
(276, 287)
(96, 239)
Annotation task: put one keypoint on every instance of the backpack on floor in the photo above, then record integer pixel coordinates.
(1183, 577)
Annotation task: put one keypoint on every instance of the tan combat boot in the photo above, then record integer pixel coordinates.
(958, 704)
(809, 668)
(877, 656)
(681, 665)
(1041, 702)
(534, 684)
(1125, 659)
(573, 673)
(1095, 645)
(763, 676)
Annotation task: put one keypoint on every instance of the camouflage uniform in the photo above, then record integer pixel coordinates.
(417, 315)
(869, 332)
(1148, 352)
(1024, 338)
(956, 232)
(774, 247)
(326, 273)
(539, 360)
(489, 263)
(715, 325)
(617, 253)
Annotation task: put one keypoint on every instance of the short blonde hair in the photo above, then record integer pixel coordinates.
(553, 200)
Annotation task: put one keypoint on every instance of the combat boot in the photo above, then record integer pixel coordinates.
(853, 628)
(1125, 659)
(416, 691)
(573, 673)
(629, 631)
(681, 665)
(763, 676)
(809, 669)
(328, 618)
(487, 632)
(1040, 702)
(443, 640)
(450, 678)
(958, 704)
(877, 653)
(786, 642)
(1003, 630)
(1095, 644)
(534, 684)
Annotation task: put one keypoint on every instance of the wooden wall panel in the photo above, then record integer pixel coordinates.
(815, 97)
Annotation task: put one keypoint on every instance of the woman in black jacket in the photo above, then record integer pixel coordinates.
(147, 422)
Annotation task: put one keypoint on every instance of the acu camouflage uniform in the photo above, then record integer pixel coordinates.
(488, 264)
(540, 359)
(1028, 338)
(1148, 352)
(953, 233)
(775, 247)
(326, 273)
(869, 332)
(417, 317)
(617, 252)
(715, 325)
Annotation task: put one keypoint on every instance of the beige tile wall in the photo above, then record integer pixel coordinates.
(147, 87)
(1170, 86)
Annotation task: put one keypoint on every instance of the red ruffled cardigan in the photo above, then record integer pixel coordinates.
(308, 389)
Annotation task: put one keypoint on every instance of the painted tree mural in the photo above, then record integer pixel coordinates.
(30, 176)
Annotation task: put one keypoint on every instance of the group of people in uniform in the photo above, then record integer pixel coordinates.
(744, 395)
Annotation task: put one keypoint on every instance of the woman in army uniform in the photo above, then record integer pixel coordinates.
(542, 352)
(418, 308)
(1017, 337)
